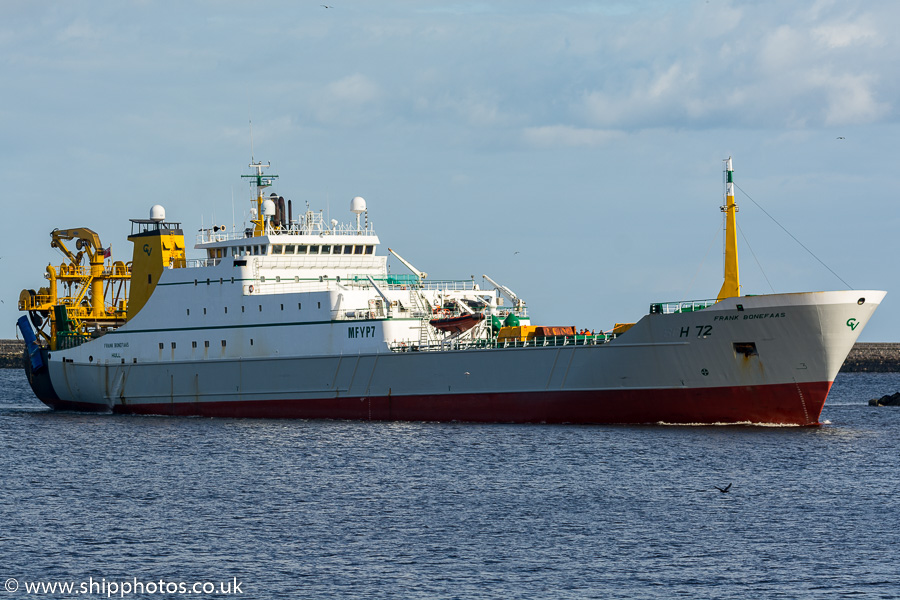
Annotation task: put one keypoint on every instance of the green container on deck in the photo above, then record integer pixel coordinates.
(495, 323)
(511, 321)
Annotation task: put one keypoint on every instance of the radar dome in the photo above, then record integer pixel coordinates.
(157, 213)
(268, 208)
(358, 205)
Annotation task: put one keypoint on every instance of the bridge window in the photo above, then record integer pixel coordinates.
(337, 250)
(289, 249)
(357, 249)
(326, 249)
(370, 249)
(277, 249)
(314, 249)
(348, 249)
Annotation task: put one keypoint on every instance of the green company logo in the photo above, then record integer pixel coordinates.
(852, 323)
(147, 249)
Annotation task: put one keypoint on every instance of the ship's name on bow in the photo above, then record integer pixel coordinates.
(750, 316)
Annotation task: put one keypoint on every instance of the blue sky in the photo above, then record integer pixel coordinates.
(570, 150)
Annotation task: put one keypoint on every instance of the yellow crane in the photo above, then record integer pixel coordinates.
(80, 300)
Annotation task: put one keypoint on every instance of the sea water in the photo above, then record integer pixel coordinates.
(150, 507)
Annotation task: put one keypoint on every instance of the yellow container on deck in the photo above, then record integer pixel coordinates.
(520, 333)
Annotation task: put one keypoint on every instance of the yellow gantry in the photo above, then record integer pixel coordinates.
(84, 306)
(731, 287)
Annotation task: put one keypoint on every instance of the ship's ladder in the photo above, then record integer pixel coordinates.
(256, 280)
(420, 310)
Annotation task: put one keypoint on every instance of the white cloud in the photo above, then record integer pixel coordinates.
(350, 100)
(843, 35)
(564, 135)
(79, 30)
(850, 98)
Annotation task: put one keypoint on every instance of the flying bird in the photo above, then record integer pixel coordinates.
(724, 490)
(842, 138)
(325, 5)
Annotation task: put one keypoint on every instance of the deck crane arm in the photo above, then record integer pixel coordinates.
(86, 239)
(416, 272)
(516, 301)
(387, 300)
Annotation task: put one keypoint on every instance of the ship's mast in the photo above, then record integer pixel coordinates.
(262, 182)
(732, 285)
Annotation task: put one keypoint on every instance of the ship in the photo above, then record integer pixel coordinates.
(302, 318)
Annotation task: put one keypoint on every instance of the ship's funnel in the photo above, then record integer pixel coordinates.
(157, 245)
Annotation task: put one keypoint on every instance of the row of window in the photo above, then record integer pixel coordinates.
(262, 279)
(243, 308)
(289, 249)
(194, 345)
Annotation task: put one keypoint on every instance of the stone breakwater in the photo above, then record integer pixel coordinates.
(873, 358)
(863, 358)
(11, 354)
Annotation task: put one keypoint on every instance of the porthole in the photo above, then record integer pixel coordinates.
(861, 301)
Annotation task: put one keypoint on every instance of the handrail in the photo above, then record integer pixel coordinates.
(342, 230)
(493, 344)
(683, 306)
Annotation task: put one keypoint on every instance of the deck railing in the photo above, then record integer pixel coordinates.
(683, 306)
(487, 344)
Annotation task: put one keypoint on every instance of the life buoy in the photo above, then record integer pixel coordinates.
(251, 289)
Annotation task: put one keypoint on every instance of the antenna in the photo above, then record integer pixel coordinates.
(251, 140)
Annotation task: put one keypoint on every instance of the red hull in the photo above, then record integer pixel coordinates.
(794, 404)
